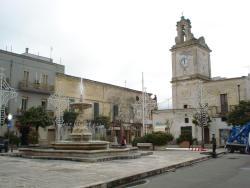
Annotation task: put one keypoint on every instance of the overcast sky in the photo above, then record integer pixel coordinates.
(114, 41)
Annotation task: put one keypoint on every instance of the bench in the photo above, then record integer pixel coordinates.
(145, 146)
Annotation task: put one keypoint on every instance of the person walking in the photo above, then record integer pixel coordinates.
(214, 145)
(124, 142)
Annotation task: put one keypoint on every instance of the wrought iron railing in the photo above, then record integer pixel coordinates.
(36, 87)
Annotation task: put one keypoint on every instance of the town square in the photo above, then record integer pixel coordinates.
(124, 94)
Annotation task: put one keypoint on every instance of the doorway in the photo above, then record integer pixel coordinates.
(206, 135)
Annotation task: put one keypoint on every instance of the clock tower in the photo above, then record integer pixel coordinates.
(190, 65)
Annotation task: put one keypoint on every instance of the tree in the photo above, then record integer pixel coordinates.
(202, 119)
(240, 115)
(69, 117)
(102, 120)
(36, 117)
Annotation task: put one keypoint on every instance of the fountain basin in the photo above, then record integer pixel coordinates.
(81, 155)
(81, 145)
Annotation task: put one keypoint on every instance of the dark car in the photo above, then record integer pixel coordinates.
(4, 145)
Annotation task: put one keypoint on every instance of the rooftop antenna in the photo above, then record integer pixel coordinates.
(51, 49)
(125, 82)
(182, 16)
(60, 60)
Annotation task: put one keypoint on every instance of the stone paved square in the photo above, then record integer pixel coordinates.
(34, 173)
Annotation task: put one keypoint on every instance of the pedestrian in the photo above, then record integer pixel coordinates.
(214, 145)
(124, 142)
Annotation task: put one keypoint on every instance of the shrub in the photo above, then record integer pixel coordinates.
(156, 138)
(184, 137)
(159, 138)
(138, 140)
(13, 139)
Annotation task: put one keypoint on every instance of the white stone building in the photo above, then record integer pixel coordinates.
(192, 84)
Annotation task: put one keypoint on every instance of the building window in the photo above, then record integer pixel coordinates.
(131, 113)
(44, 79)
(224, 103)
(186, 120)
(44, 104)
(187, 130)
(25, 78)
(115, 111)
(137, 98)
(24, 104)
(167, 129)
(223, 118)
(185, 106)
(96, 110)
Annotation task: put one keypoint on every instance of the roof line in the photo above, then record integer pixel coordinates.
(75, 77)
(28, 57)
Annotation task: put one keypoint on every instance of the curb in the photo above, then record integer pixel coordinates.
(81, 159)
(136, 177)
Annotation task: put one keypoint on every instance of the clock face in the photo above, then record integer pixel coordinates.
(184, 61)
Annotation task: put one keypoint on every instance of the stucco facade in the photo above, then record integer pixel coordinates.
(33, 78)
(105, 97)
(192, 85)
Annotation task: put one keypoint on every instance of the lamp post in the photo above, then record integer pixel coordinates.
(9, 117)
(142, 109)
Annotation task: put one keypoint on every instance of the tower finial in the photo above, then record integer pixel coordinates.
(182, 17)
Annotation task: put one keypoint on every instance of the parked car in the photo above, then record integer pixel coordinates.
(4, 145)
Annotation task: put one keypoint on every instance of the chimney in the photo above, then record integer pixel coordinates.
(27, 50)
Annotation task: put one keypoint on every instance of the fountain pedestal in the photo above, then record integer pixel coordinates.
(80, 131)
(81, 136)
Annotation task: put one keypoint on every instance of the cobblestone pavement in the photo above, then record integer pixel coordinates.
(36, 173)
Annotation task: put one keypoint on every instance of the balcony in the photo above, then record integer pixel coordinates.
(20, 112)
(36, 87)
(217, 111)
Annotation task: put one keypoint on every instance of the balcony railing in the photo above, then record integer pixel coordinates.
(36, 87)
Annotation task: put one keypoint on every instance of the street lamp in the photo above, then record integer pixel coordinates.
(10, 117)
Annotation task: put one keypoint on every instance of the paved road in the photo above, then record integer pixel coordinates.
(228, 171)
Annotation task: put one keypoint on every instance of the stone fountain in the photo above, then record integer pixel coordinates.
(81, 135)
(81, 147)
